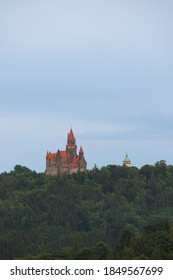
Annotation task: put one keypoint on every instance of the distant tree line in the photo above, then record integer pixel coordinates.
(113, 212)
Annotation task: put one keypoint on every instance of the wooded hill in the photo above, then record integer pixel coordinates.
(110, 213)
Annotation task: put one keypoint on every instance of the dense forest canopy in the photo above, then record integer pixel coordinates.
(110, 213)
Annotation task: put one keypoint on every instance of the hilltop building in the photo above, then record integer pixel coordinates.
(127, 161)
(67, 161)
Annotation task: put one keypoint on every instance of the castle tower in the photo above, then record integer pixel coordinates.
(71, 147)
(82, 161)
(81, 152)
(127, 161)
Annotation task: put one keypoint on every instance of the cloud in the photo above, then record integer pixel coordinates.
(42, 124)
(155, 125)
(67, 28)
(25, 138)
(102, 67)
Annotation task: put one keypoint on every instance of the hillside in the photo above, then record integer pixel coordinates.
(109, 213)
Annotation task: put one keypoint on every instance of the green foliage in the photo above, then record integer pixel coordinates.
(109, 213)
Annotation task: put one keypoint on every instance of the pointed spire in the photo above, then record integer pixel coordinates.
(71, 135)
(81, 150)
(126, 159)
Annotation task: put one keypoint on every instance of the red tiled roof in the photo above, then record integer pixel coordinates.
(74, 161)
(71, 135)
(51, 155)
(81, 150)
(64, 154)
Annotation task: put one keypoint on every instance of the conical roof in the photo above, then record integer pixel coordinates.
(126, 159)
(71, 135)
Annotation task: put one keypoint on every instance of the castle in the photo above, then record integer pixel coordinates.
(67, 161)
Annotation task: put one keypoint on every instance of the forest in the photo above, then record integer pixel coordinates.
(114, 212)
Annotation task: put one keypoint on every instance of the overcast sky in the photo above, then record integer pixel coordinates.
(102, 67)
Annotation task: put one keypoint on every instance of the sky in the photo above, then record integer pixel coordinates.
(102, 67)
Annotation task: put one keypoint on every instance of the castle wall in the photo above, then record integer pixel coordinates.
(51, 168)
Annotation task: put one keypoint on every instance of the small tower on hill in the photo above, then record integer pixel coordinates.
(127, 161)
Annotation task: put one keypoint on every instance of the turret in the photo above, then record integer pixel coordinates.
(127, 161)
(71, 147)
(81, 151)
